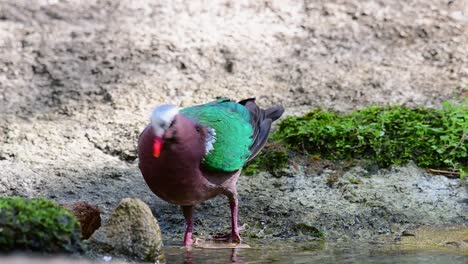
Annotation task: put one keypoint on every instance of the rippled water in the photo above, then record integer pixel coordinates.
(316, 253)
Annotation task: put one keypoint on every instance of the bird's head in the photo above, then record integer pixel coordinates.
(162, 119)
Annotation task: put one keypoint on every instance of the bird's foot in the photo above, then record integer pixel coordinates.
(233, 237)
(230, 237)
(188, 242)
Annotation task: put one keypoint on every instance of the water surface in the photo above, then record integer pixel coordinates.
(318, 252)
(278, 252)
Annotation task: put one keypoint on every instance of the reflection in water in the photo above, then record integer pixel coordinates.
(189, 256)
(234, 255)
(315, 253)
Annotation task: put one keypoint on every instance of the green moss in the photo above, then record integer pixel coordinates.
(37, 225)
(435, 138)
(354, 181)
(273, 158)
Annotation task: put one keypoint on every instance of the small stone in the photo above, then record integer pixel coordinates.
(132, 231)
(88, 215)
(407, 233)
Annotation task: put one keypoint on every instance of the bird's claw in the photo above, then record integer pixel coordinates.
(230, 237)
(233, 237)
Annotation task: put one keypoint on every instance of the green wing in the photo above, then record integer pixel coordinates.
(231, 122)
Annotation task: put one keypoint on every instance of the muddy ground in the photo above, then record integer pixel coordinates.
(78, 80)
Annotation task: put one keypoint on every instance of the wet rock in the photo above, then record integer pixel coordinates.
(132, 231)
(88, 215)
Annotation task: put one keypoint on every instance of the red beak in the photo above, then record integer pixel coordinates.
(157, 146)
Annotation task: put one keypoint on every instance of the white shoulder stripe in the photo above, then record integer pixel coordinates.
(210, 140)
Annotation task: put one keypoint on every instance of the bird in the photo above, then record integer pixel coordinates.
(190, 155)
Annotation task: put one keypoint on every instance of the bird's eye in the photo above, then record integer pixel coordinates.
(198, 128)
(162, 124)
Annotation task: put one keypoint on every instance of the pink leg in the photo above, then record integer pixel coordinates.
(233, 203)
(234, 235)
(188, 215)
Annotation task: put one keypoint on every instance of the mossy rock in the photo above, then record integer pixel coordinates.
(37, 225)
(432, 138)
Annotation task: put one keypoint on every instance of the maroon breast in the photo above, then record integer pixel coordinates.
(175, 176)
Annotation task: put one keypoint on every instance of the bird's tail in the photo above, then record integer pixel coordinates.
(274, 112)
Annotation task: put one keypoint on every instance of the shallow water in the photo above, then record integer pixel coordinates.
(322, 253)
(287, 252)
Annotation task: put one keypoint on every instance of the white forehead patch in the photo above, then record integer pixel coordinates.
(162, 117)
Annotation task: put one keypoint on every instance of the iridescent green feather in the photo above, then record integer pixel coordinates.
(231, 121)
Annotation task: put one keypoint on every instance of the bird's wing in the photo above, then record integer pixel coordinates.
(231, 132)
(261, 123)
